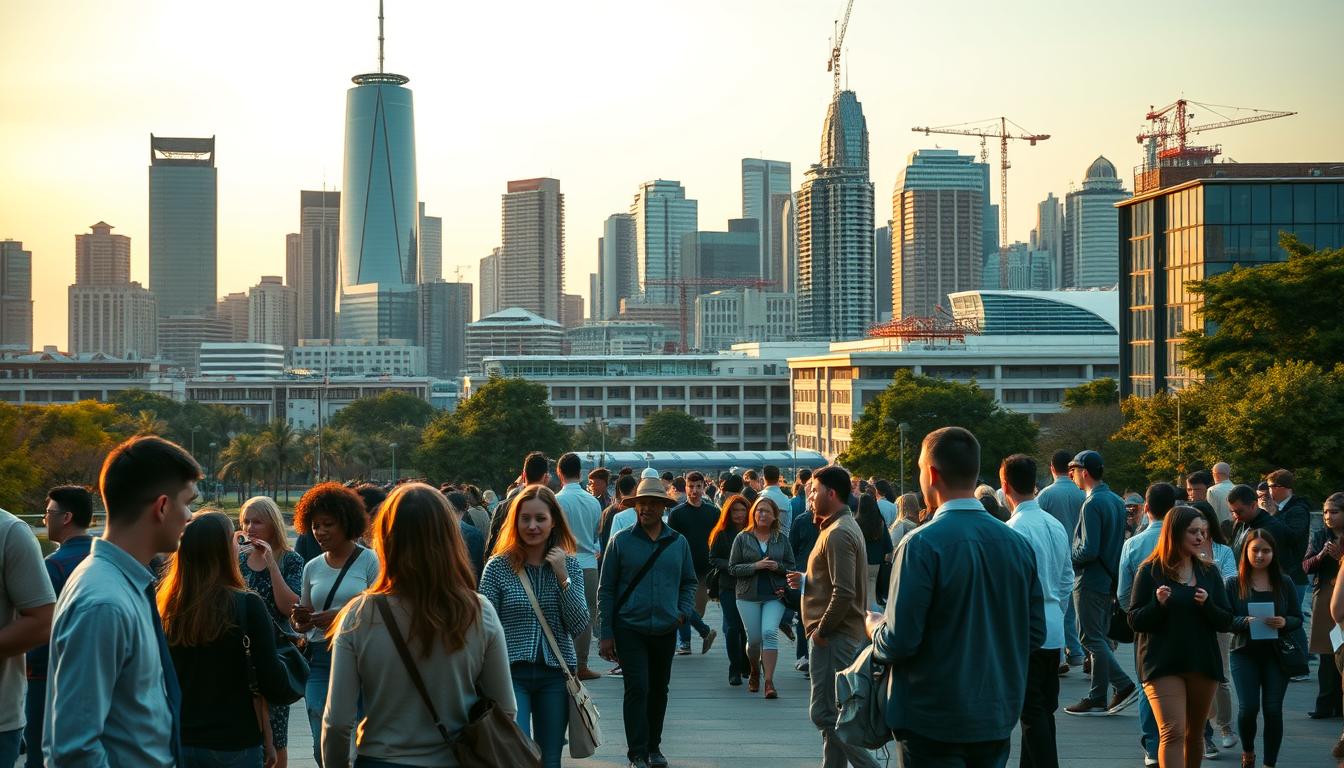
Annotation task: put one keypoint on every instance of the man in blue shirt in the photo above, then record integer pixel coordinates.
(1064, 501)
(114, 697)
(583, 512)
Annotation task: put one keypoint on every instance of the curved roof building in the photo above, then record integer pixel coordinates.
(1021, 313)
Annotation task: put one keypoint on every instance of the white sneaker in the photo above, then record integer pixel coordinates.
(1229, 739)
(1147, 761)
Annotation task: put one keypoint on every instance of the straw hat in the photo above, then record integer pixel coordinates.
(649, 488)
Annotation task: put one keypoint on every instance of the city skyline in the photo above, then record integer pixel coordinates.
(761, 100)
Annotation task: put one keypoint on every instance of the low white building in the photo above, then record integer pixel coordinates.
(299, 400)
(727, 317)
(242, 360)
(620, 337)
(390, 357)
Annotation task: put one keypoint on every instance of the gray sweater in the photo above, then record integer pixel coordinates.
(664, 596)
(747, 552)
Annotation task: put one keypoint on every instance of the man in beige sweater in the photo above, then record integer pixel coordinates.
(835, 598)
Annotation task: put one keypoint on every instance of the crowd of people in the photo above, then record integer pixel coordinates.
(180, 636)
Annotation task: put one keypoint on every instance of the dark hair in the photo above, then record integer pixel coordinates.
(1206, 511)
(76, 500)
(1199, 477)
(1019, 473)
(955, 453)
(458, 500)
(771, 474)
(679, 483)
(139, 471)
(569, 466)
(1242, 494)
(836, 478)
(804, 475)
(340, 503)
(1059, 461)
(373, 497)
(1244, 567)
(733, 484)
(666, 477)
(1281, 477)
(1335, 500)
(870, 518)
(750, 474)
(626, 472)
(886, 490)
(626, 484)
(600, 473)
(1160, 498)
(534, 467)
(694, 477)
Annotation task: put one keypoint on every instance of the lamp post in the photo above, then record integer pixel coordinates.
(903, 427)
(394, 462)
(793, 445)
(214, 487)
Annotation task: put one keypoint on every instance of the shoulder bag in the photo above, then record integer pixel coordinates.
(1292, 656)
(585, 733)
(295, 664)
(1119, 630)
(490, 738)
(259, 706)
(643, 571)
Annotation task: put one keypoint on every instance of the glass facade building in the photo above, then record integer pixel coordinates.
(183, 224)
(663, 215)
(1198, 229)
(765, 185)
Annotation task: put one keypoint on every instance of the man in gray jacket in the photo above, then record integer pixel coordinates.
(645, 591)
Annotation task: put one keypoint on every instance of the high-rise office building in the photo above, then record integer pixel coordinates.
(431, 247)
(102, 258)
(990, 240)
(235, 313)
(16, 296)
(183, 224)
(273, 313)
(725, 318)
(181, 337)
(835, 230)
(380, 212)
(315, 275)
(729, 256)
(107, 313)
(490, 284)
(293, 259)
(788, 236)
(571, 310)
(663, 215)
(618, 267)
(937, 226)
(532, 253)
(766, 184)
(1048, 235)
(1091, 229)
(595, 289)
(882, 272)
(1027, 270)
(445, 313)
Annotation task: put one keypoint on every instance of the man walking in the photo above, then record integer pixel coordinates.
(835, 596)
(584, 517)
(536, 471)
(1064, 501)
(599, 480)
(113, 696)
(695, 519)
(1054, 571)
(1096, 561)
(647, 589)
(965, 614)
(26, 600)
(776, 494)
(1222, 483)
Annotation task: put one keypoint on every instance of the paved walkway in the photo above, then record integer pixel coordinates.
(712, 725)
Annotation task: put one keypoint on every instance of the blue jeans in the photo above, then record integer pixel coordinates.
(1259, 679)
(1073, 646)
(315, 693)
(9, 746)
(733, 634)
(200, 757)
(543, 707)
(684, 629)
(34, 709)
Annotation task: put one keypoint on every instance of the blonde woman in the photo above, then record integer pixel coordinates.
(907, 518)
(275, 572)
(761, 556)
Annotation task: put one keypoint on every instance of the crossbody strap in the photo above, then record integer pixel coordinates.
(349, 561)
(385, 609)
(526, 581)
(643, 571)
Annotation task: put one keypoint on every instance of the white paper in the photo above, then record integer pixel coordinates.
(1259, 629)
(1336, 637)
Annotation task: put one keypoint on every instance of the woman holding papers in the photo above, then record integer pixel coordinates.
(1265, 612)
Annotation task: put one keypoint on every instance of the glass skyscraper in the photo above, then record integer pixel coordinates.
(937, 229)
(1091, 231)
(183, 221)
(663, 215)
(766, 184)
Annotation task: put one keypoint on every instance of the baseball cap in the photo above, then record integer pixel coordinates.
(1088, 460)
(1133, 500)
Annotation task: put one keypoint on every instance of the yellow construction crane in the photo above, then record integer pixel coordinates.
(833, 63)
(986, 129)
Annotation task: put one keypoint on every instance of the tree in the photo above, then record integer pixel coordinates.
(595, 436)
(52, 445)
(280, 449)
(373, 415)
(147, 423)
(242, 460)
(1269, 313)
(673, 430)
(1094, 427)
(927, 404)
(1103, 391)
(485, 439)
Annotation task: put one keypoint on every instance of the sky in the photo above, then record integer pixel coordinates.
(603, 95)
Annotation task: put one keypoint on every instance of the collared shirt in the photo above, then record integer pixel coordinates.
(584, 516)
(888, 510)
(24, 586)
(1136, 549)
(1054, 564)
(784, 504)
(60, 564)
(1217, 497)
(107, 701)
(1064, 501)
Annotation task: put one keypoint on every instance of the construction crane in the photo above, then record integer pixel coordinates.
(1171, 129)
(833, 63)
(684, 284)
(941, 327)
(985, 130)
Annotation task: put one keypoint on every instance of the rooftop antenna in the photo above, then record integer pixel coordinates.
(380, 36)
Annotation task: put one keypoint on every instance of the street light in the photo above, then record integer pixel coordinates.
(394, 462)
(903, 427)
(793, 444)
(214, 483)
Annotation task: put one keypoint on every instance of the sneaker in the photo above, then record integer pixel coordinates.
(588, 674)
(1229, 739)
(801, 665)
(614, 671)
(639, 762)
(1124, 698)
(683, 649)
(656, 760)
(734, 679)
(1087, 708)
(1063, 669)
(706, 645)
(1149, 761)
(1210, 749)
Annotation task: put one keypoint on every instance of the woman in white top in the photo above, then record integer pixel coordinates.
(453, 634)
(335, 516)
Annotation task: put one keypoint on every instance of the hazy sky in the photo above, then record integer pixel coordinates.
(603, 95)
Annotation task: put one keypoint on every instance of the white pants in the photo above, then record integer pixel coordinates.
(761, 620)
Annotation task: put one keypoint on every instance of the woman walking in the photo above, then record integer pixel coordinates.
(335, 515)
(760, 559)
(451, 632)
(275, 572)
(1322, 564)
(535, 543)
(733, 515)
(207, 613)
(907, 518)
(1177, 609)
(1260, 680)
(878, 545)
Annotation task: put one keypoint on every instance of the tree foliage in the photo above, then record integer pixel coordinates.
(672, 429)
(52, 445)
(1103, 391)
(387, 411)
(927, 404)
(594, 436)
(1093, 427)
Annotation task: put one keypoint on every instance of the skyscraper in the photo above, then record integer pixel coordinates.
(183, 222)
(532, 256)
(882, 272)
(788, 237)
(937, 222)
(445, 312)
(316, 282)
(1048, 236)
(380, 215)
(835, 230)
(731, 255)
(16, 296)
(102, 258)
(618, 267)
(765, 186)
(107, 312)
(663, 214)
(431, 247)
(571, 310)
(1092, 229)
(273, 313)
(234, 312)
(490, 284)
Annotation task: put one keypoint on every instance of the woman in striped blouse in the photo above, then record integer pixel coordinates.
(535, 543)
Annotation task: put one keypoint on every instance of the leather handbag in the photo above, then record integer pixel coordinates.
(1119, 629)
(295, 664)
(490, 739)
(585, 731)
(1292, 657)
(260, 707)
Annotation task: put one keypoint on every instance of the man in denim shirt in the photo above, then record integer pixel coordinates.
(1064, 501)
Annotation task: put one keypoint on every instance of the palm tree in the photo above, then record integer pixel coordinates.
(242, 460)
(147, 423)
(281, 448)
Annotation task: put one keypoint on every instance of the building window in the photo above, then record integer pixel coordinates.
(1017, 395)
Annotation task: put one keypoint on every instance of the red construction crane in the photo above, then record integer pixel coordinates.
(985, 129)
(937, 328)
(1171, 129)
(683, 284)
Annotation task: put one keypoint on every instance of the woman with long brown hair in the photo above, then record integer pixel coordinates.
(207, 612)
(1177, 608)
(452, 633)
(535, 543)
(733, 516)
(760, 558)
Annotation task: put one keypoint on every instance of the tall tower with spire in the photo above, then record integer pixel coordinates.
(380, 221)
